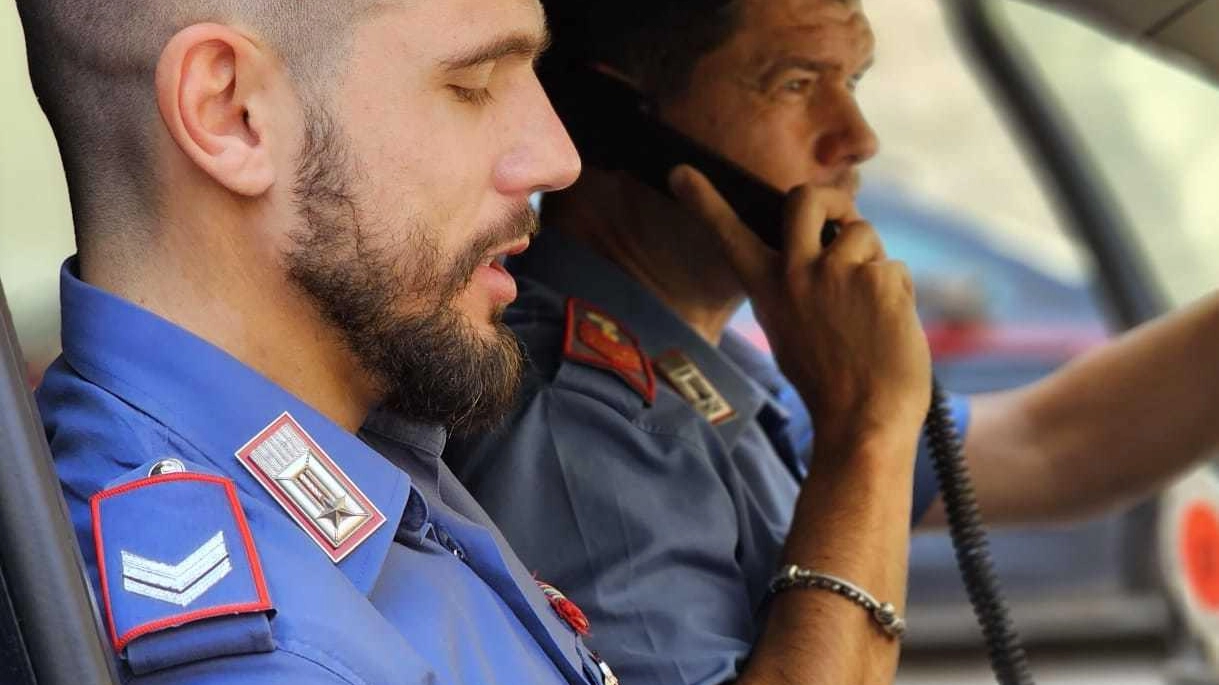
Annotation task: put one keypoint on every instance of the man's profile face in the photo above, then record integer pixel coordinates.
(413, 177)
(778, 96)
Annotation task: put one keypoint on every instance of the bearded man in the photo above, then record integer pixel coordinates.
(287, 213)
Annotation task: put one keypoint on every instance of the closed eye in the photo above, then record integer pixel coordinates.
(473, 96)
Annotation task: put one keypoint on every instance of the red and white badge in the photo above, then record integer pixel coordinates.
(310, 487)
(1189, 552)
(595, 338)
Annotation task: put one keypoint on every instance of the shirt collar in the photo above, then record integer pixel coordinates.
(758, 365)
(214, 402)
(572, 269)
(421, 443)
(427, 440)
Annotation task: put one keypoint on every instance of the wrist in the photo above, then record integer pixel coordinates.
(872, 417)
(876, 447)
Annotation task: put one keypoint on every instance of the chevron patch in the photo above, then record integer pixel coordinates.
(173, 549)
(181, 583)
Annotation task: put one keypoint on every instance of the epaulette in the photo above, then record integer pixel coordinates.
(595, 338)
(689, 381)
(174, 548)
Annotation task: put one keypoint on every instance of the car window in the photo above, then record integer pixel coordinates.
(35, 218)
(1150, 129)
(1004, 292)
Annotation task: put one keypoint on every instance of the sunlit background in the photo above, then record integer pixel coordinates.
(1005, 291)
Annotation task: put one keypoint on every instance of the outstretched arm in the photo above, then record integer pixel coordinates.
(1108, 428)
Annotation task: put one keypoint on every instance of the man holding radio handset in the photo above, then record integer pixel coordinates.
(657, 466)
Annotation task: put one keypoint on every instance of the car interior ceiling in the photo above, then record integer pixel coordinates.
(1184, 29)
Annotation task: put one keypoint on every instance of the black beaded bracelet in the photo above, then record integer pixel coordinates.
(884, 613)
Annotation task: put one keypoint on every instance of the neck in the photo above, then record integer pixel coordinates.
(235, 297)
(654, 241)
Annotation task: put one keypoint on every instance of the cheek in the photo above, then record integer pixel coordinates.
(415, 174)
(778, 146)
(773, 142)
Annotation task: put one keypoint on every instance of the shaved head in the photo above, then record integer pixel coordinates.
(92, 64)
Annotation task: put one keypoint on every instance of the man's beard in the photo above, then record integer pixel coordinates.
(432, 365)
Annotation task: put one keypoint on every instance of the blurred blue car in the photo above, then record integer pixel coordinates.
(994, 320)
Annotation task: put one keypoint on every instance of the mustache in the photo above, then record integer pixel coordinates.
(521, 222)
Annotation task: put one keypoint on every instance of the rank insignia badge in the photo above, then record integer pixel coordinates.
(314, 491)
(689, 382)
(181, 583)
(595, 338)
(163, 564)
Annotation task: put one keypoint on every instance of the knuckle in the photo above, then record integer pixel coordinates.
(795, 277)
(874, 273)
(828, 269)
(861, 231)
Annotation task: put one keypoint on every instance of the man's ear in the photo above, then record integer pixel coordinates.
(208, 79)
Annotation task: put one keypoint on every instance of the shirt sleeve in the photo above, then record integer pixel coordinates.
(926, 484)
(299, 667)
(587, 498)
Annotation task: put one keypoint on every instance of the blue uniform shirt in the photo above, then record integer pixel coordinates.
(663, 526)
(204, 576)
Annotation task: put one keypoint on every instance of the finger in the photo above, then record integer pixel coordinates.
(903, 275)
(750, 258)
(891, 279)
(805, 213)
(857, 243)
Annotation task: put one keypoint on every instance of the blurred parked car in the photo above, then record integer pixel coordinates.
(994, 319)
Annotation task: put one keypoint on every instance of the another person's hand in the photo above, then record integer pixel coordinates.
(841, 320)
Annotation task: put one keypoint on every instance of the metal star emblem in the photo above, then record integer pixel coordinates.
(337, 510)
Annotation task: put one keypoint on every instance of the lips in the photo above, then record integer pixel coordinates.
(499, 283)
(501, 254)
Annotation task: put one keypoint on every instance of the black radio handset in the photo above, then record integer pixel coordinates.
(616, 128)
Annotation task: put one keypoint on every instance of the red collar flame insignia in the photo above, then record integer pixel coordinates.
(597, 339)
(565, 608)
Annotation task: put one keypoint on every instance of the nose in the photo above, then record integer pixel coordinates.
(848, 140)
(543, 157)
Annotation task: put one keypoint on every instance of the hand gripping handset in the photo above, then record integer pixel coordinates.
(615, 128)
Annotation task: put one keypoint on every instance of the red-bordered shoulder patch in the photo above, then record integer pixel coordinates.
(171, 550)
(596, 338)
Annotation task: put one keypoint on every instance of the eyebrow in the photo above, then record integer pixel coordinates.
(511, 45)
(797, 62)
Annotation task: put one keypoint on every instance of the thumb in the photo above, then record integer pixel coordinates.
(750, 258)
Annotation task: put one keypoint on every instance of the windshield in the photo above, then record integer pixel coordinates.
(1150, 128)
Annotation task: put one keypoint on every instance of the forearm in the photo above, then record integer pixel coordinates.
(1112, 426)
(852, 520)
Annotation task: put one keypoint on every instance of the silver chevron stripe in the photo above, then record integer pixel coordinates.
(181, 583)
